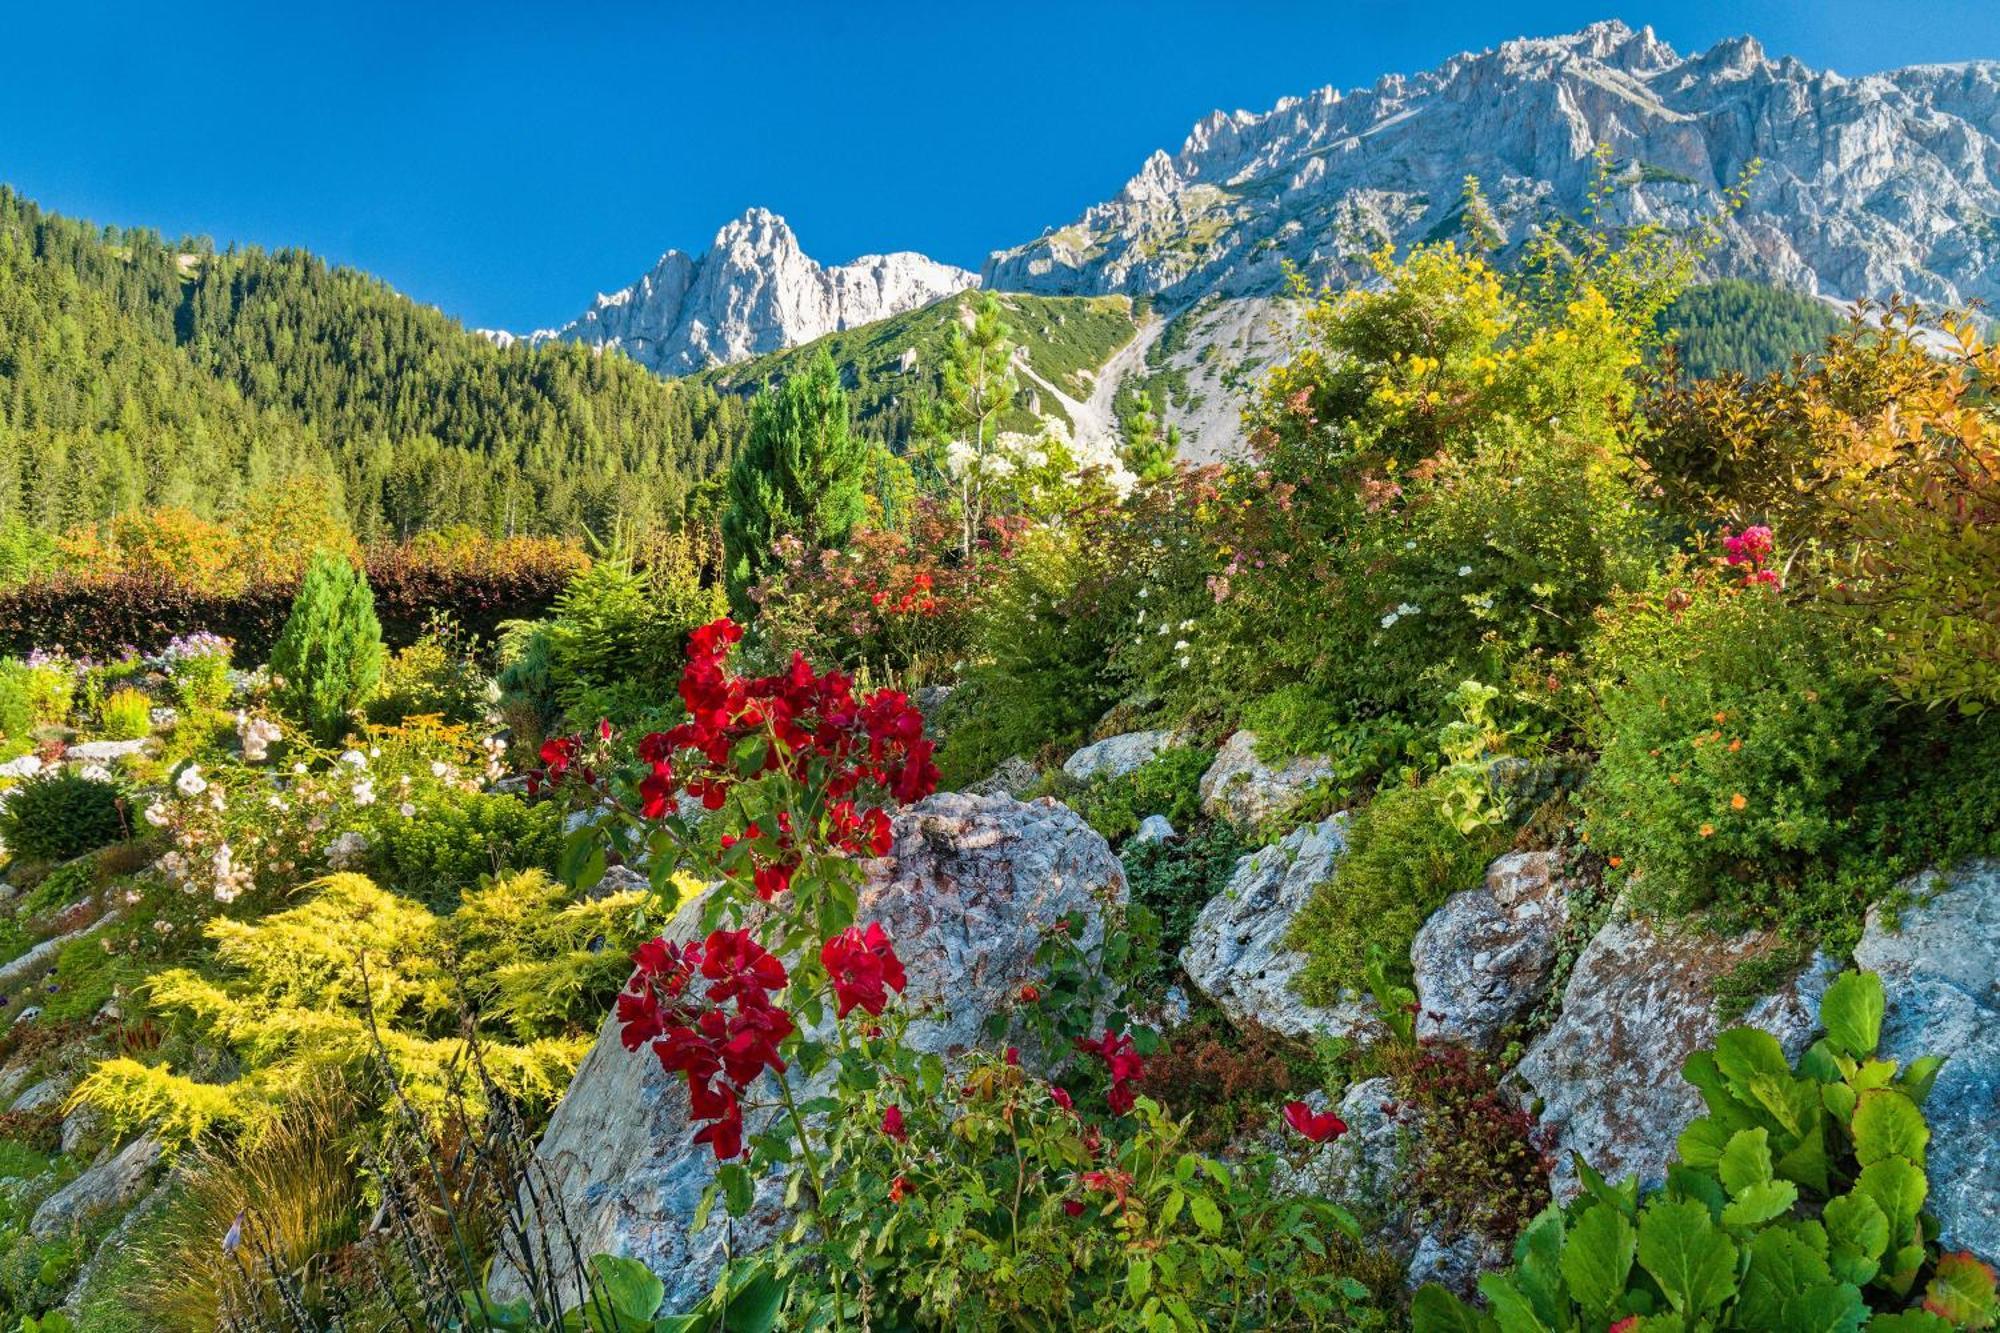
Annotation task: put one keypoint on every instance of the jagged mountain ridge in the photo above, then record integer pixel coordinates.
(1871, 185)
(751, 292)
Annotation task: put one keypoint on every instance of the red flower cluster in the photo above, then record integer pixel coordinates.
(721, 1053)
(1122, 1059)
(863, 968)
(1752, 547)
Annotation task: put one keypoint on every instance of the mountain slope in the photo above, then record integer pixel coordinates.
(753, 291)
(893, 364)
(1868, 186)
(135, 372)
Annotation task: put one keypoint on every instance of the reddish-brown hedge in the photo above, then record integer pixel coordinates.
(98, 616)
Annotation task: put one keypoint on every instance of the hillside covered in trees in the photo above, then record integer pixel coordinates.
(143, 373)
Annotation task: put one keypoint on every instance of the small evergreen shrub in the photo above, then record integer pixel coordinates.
(55, 816)
(328, 659)
(1797, 1202)
(1175, 880)
(448, 843)
(437, 676)
(1404, 858)
(126, 715)
(1167, 784)
(617, 640)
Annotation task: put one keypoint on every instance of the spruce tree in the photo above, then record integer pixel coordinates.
(978, 384)
(329, 656)
(802, 473)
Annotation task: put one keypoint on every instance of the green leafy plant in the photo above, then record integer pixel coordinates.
(126, 715)
(1797, 1202)
(1167, 784)
(328, 659)
(1469, 743)
(55, 816)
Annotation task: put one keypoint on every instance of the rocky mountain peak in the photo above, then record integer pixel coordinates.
(1868, 186)
(754, 290)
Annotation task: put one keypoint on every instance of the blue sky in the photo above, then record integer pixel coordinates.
(505, 161)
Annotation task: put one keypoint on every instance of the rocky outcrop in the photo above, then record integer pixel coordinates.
(112, 1183)
(1940, 969)
(1236, 953)
(753, 291)
(1154, 828)
(1884, 183)
(1483, 959)
(1014, 776)
(1246, 791)
(1607, 1073)
(1116, 756)
(967, 893)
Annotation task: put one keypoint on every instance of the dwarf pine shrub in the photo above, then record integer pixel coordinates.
(328, 659)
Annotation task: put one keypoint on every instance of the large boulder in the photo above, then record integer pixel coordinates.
(1236, 953)
(968, 891)
(1014, 776)
(110, 1184)
(1940, 967)
(1246, 791)
(1116, 756)
(1483, 959)
(1641, 999)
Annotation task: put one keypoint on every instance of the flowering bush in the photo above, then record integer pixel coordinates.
(928, 1192)
(902, 600)
(198, 666)
(1735, 732)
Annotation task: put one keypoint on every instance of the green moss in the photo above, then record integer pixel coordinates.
(1403, 860)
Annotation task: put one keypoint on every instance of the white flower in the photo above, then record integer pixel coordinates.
(346, 850)
(215, 801)
(354, 757)
(299, 767)
(1465, 571)
(364, 792)
(374, 752)
(439, 768)
(1180, 646)
(256, 735)
(1409, 546)
(1407, 610)
(190, 782)
(407, 810)
(1390, 619)
(156, 814)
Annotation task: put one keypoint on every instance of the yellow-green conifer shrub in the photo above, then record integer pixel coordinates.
(292, 995)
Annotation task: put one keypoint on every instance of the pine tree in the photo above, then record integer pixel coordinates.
(802, 473)
(329, 656)
(1149, 453)
(978, 384)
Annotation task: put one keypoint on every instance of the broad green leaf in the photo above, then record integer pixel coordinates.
(1760, 1204)
(1206, 1215)
(1684, 1182)
(1139, 1277)
(1745, 1161)
(1833, 1308)
(754, 1306)
(1916, 1081)
(1872, 1074)
(1857, 1232)
(1782, 1265)
(1512, 1311)
(627, 1286)
(1703, 1141)
(1752, 1061)
(1806, 1164)
(1888, 1124)
(738, 1191)
(1898, 1188)
(1538, 1267)
(1851, 1012)
(1597, 1258)
(1435, 1310)
(1692, 1260)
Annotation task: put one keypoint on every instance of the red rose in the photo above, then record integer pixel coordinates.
(1318, 1128)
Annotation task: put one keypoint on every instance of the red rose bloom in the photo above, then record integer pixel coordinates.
(1318, 1128)
(863, 967)
(892, 1124)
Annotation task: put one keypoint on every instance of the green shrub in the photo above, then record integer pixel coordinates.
(126, 715)
(86, 976)
(1167, 784)
(1175, 880)
(437, 676)
(1404, 858)
(32, 695)
(1797, 1203)
(541, 961)
(441, 850)
(1041, 676)
(1736, 735)
(55, 816)
(624, 630)
(198, 666)
(328, 658)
